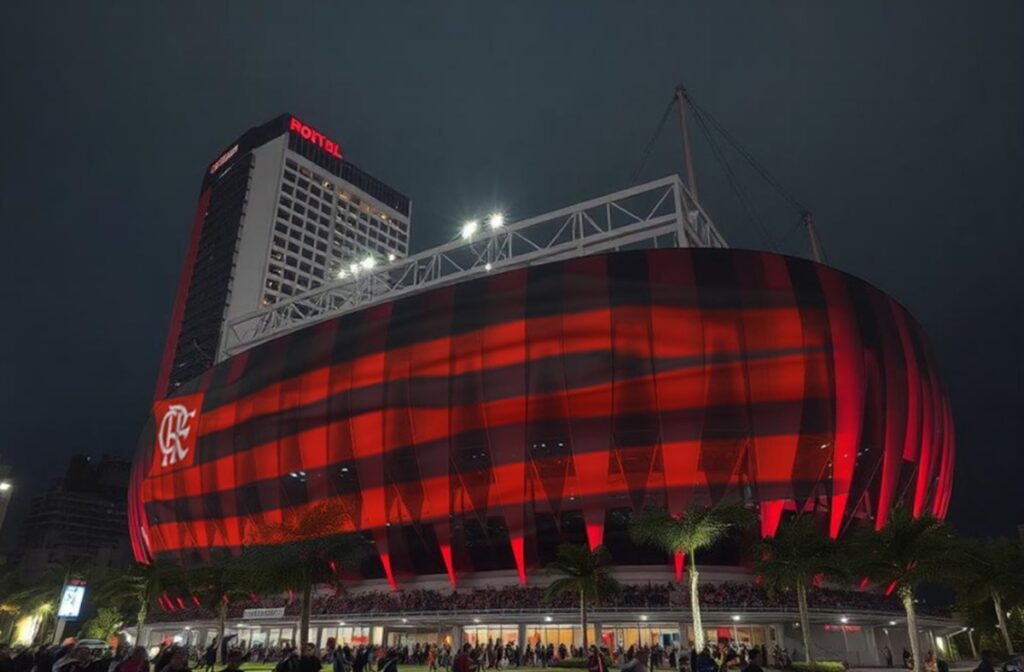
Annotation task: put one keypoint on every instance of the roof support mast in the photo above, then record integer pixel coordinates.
(812, 236)
(684, 105)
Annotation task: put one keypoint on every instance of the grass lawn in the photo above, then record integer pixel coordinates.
(268, 667)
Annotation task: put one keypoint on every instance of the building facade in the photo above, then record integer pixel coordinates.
(81, 517)
(846, 626)
(280, 213)
(475, 427)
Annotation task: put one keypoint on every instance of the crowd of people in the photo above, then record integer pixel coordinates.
(725, 595)
(720, 656)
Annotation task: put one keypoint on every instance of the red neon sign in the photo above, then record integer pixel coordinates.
(314, 136)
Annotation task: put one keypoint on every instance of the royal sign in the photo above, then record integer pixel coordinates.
(314, 136)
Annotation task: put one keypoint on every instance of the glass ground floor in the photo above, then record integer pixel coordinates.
(859, 639)
(625, 634)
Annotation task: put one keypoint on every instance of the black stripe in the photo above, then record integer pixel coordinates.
(251, 497)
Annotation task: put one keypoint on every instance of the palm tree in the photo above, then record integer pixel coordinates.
(582, 572)
(699, 527)
(104, 625)
(136, 589)
(992, 572)
(792, 559)
(295, 555)
(902, 555)
(38, 591)
(217, 584)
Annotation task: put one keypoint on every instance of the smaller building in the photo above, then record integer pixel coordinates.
(82, 516)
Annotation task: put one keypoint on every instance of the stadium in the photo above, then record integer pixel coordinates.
(467, 430)
(464, 411)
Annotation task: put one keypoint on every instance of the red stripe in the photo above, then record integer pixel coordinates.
(848, 364)
(268, 460)
(376, 519)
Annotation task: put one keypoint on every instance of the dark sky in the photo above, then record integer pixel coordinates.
(898, 124)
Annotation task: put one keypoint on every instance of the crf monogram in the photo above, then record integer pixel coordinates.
(173, 428)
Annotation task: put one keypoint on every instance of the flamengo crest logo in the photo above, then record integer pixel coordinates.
(173, 428)
(176, 431)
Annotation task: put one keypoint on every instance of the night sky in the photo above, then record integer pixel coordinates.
(900, 125)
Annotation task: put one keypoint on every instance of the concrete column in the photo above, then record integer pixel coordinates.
(521, 636)
(456, 638)
(872, 644)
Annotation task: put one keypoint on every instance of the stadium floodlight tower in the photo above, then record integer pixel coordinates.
(658, 214)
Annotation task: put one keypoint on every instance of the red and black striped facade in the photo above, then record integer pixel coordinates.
(477, 425)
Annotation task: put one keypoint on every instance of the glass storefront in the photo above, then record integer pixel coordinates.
(484, 634)
(748, 635)
(557, 635)
(640, 635)
(344, 635)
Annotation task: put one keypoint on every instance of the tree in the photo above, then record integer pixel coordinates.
(585, 573)
(901, 556)
(136, 589)
(791, 560)
(993, 572)
(37, 591)
(297, 555)
(104, 625)
(697, 528)
(217, 583)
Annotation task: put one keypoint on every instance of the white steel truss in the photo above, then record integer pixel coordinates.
(657, 214)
